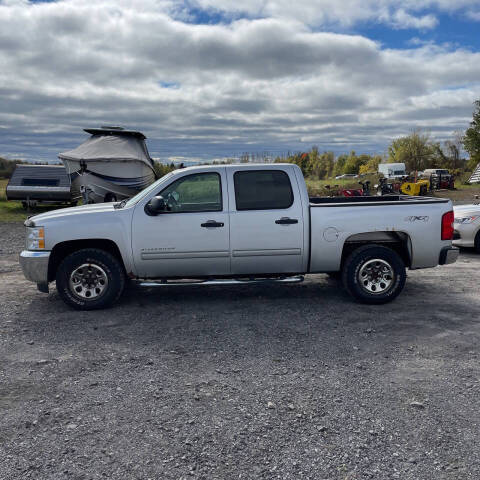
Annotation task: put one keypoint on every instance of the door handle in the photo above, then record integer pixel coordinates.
(212, 224)
(286, 221)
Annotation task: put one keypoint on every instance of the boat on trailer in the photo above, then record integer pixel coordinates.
(111, 165)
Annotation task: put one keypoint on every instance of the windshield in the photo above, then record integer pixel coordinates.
(146, 191)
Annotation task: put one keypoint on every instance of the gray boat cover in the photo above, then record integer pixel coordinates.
(110, 147)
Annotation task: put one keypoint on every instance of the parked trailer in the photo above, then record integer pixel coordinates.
(33, 184)
(392, 170)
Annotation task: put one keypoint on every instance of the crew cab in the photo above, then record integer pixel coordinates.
(235, 224)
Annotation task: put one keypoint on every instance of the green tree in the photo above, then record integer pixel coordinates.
(340, 165)
(454, 151)
(354, 162)
(320, 165)
(328, 159)
(372, 165)
(471, 140)
(7, 167)
(162, 169)
(314, 167)
(416, 151)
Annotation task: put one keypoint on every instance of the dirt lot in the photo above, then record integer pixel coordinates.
(282, 382)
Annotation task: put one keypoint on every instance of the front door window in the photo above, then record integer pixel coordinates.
(200, 192)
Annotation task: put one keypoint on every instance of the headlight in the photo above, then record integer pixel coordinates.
(464, 220)
(35, 238)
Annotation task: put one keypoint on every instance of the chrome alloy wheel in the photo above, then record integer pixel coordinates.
(88, 281)
(376, 276)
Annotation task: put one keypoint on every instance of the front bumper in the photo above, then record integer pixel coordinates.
(448, 255)
(35, 266)
(464, 234)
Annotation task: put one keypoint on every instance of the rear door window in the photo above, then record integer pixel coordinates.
(262, 190)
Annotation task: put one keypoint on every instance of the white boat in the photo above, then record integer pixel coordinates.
(111, 165)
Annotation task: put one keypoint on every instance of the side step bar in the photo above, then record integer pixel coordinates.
(227, 282)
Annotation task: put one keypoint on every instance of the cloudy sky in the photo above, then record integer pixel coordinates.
(211, 79)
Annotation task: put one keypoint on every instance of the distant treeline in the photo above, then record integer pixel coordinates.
(322, 165)
(7, 167)
(417, 151)
(319, 166)
(162, 169)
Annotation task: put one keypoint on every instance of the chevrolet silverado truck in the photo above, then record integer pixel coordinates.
(235, 224)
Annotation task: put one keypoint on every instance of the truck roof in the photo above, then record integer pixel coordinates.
(237, 165)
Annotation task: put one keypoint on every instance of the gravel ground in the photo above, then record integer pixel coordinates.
(281, 382)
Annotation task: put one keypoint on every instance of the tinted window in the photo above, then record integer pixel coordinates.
(194, 193)
(262, 190)
(40, 182)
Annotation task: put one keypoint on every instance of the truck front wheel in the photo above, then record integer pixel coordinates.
(90, 279)
(374, 274)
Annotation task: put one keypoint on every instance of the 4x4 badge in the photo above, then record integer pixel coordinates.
(417, 218)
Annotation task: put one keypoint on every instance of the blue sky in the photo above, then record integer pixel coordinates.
(456, 30)
(212, 79)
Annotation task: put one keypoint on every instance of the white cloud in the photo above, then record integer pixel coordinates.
(474, 15)
(269, 81)
(396, 13)
(402, 19)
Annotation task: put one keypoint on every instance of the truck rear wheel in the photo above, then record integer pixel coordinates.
(90, 279)
(374, 274)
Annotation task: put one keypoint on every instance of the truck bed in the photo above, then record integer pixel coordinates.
(372, 200)
(415, 221)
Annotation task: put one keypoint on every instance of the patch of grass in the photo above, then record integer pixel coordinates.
(318, 188)
(460, 194)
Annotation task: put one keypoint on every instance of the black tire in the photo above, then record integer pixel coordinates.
(477, 242)
(423, 190)
(100, 261)
(110, 197)
(335, 276)
(388, 284)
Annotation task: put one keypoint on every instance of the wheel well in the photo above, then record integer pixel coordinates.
(476, 241)
(61, 250)
(397, 241)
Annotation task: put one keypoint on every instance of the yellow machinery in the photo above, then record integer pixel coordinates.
(420, 187)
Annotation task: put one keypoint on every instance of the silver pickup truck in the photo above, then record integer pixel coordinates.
(235, 224)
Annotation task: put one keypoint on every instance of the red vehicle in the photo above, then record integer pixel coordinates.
(360, 192)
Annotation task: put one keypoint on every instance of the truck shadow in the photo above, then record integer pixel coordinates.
(315, 309)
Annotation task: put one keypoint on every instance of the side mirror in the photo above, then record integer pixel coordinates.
(155, 206)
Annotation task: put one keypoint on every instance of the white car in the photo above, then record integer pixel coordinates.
(467, 226)
(346, 175)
